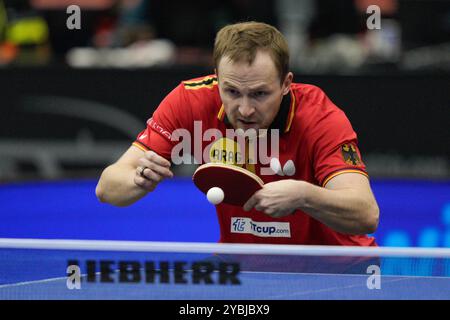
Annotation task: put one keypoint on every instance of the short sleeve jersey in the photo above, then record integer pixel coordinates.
(316, 143)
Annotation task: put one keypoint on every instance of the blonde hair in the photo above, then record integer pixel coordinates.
(241, 41)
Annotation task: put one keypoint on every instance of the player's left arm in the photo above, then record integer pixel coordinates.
(346, 203)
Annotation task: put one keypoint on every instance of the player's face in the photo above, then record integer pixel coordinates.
(251, 94)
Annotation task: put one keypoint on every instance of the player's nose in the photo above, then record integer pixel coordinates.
(245, 109)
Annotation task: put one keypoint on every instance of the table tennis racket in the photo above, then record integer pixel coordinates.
(237, 184)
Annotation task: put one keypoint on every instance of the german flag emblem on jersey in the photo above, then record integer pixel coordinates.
(350, 155)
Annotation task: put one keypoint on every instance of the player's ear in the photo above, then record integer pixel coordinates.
(287, 83)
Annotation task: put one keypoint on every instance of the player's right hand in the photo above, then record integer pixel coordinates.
(151, 170)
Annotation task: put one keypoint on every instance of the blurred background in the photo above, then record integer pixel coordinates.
(73, 98)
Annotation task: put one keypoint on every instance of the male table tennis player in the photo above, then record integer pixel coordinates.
(325, 196)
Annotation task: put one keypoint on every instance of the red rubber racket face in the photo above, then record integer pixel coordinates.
(237, 183)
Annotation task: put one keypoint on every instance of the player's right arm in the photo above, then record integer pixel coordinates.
(125, 181)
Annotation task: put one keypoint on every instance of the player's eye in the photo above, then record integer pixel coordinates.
(259, 94)
(232, 91)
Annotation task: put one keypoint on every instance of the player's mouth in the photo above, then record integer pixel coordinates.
(246, 124)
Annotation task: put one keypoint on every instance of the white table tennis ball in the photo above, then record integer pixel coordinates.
(215, 195)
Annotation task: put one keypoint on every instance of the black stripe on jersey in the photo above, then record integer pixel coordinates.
(200, 83)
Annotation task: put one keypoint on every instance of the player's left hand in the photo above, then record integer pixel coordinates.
(277, 199)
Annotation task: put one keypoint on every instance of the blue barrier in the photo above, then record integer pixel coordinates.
(412, 213)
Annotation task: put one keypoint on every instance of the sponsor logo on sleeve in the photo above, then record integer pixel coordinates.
(155, 126)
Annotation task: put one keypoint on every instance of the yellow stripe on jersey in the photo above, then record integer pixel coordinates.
(221, 113)
(331, 176)
(201, 80)
(291, 113)
(140, 146)
(207, 82)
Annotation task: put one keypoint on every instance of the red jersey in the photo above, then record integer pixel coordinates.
(316, 143)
